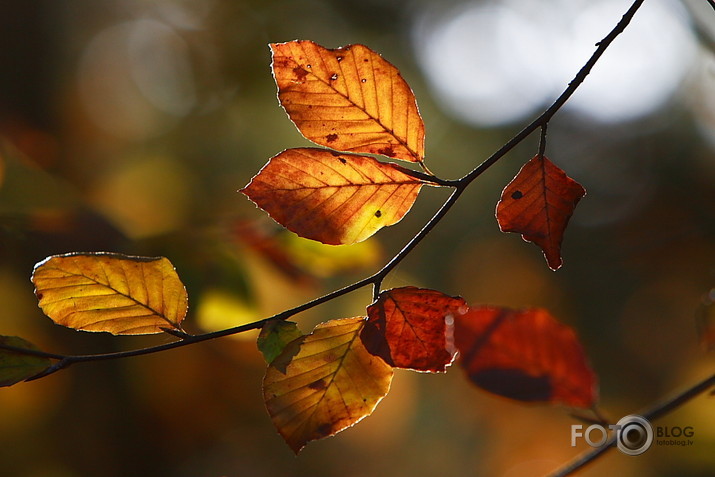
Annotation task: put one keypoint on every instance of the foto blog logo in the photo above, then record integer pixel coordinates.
(633, 434)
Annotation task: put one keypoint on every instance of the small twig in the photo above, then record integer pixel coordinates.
(651, 414)
(542, 140)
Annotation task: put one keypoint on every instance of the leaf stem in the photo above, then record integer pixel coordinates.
(655, 412)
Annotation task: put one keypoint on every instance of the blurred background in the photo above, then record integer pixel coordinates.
(129, 126)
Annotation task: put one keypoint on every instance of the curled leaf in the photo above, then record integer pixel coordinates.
(525, 355)
(411, 328)
(120, 294)
(332, 198)
(274, 337)
(538, 204)
(348, 99)
(324, 383)
(16, 366)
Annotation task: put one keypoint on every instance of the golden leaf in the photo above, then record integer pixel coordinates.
(348, 99)
(332, 198)
(120, 294)
(324, 383)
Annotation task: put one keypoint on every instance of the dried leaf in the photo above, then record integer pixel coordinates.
(348, 99)
(16, 366)
(412, 328)
(332, 198)
(120, 294)
(324, 383)
(538, 204)
(525, 355)
(274, 337)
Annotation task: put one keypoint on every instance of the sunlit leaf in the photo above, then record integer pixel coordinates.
(525, 355)
(412, 328)
(349, 99)
(538, 204)
(120, 294)
(274, 337)
(332, 198)
(16, 366)
(324, 383)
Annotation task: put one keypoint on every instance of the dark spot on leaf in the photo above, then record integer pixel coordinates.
(365, 60)
(514, 383)
(517, 195)
(378, 214)
(308, 66)
(363, 80)
(317, 385)
(324, 429)
(343, 160)
(387, 151)
(39, 295)
(334, 76)
(335, 154)
(331, 137)
(300, 73)
(339, 58)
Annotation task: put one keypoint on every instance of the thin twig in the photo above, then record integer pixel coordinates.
(655, 412)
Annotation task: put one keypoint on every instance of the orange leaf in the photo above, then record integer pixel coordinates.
(349, 99)
(324, 383)
(411, 328)
(538, 204)
(525, 355)
(332, 198)
(120, 294)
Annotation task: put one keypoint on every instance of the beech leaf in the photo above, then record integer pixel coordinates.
(119, 294)
(348, 99)
(274, 337)
(324, 383)
(538, 204)
(412, 328)
(525, 355)
(332, 198)
(16, 366)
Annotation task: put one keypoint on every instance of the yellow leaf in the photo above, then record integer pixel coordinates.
(348, 99)
(120, 294)
(332, 198)
(324, 383)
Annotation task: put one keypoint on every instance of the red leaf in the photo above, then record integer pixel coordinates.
(525, 355)
(538, 204)
(411, 328)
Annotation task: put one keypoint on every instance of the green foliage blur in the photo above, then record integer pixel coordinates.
(129, 126)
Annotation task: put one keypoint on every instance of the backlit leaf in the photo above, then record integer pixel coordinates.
(16, 366)
(324, 383)
(538, 204)
(348, 99)
(412, 328)
(120, 294)
(525, 355)
(332, 198)
(274, 337)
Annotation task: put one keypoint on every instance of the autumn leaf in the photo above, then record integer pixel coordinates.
(538, 204)
(275, 335)
(412, 328)
(324, 383)
(525, 355)
(120, 294)
(332, 198)
(16, 366)
(348, 99)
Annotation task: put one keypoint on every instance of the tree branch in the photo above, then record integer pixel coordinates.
(655, 412)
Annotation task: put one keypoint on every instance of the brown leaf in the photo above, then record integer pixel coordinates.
(332, 198)
(525, 355)
(538, 204)
(412, 328)
(324, 383)
(348, 99)
(120, 294)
